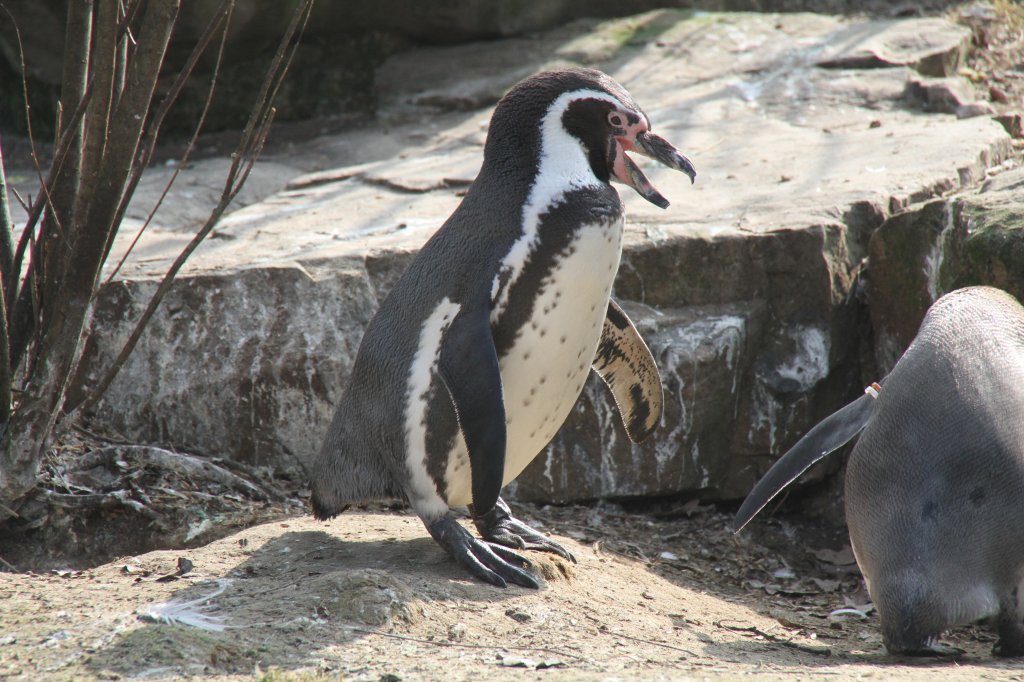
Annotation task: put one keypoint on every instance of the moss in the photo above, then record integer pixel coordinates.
(172, 646)
(992, 244)
(607, 39)
(897, 272)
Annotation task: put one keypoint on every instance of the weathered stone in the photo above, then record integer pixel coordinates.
(940, 95)
(1014, 124)
(705, 354)
(186, 207)
(932, 47)
(744, 288)
(241, 365)
(918, 256)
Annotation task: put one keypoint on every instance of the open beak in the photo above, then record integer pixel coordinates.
(650, 145)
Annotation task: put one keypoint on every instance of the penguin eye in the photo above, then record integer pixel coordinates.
(615, 118)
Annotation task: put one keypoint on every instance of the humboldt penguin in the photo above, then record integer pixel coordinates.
(482, 347)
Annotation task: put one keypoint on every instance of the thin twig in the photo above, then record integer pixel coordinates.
(13, 295)
(249, 147)
(10, 512)
(223, 17)
(21, 200)
(462, 645)
(6, 261)
(753, 629)
(646, 641)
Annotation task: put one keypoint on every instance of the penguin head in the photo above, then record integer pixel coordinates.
(549, 113)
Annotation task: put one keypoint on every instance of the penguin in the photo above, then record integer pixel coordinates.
(482, 347)
(934, 487)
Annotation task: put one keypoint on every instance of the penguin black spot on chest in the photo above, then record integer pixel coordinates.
(558, 235)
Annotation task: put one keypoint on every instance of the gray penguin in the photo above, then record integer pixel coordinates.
(935, 484)
(481, 349)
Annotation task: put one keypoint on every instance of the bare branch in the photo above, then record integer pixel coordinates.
(61, 342)
(97, 121)
(221, 22)
(157, 22)
(11, 277)
(5, 372)
(21, 200)
(55, 245)
(20, 297)
(249, 146)
(6, 261)
(6, 230)
(74, 82)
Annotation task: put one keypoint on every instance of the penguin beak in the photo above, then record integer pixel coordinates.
(652, 146)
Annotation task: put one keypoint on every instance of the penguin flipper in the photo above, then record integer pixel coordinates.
(627, 367)
(469, 368)
(826, 437)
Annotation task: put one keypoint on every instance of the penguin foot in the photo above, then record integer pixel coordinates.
(936, 648)
(491, 563)
(1011, 637)
(499, 526)
(929, 648)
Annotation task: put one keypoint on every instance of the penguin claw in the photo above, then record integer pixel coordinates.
(929, 648)
(491, 563)
(500, 527)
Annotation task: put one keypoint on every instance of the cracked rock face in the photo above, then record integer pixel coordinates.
(946, 244)
(745, 288)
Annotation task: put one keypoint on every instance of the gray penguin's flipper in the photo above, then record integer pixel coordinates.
(828, 435)
(627, 366)
(469, 369)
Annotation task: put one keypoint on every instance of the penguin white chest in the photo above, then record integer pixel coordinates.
(544, 371)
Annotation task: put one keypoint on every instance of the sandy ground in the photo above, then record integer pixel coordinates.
(657, 594)
(368, 596)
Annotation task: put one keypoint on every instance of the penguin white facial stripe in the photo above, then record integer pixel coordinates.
(563, 167)
(424, 497)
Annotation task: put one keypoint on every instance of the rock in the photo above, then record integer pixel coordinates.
(705, 355)
(187, 205)
(745, 288)
(946, 244)
(975, 109)
(939, 95)
(210, 375)
(1014, 124)
(932, 47)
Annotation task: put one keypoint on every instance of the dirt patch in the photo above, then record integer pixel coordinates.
(657, 593)
(370, 597)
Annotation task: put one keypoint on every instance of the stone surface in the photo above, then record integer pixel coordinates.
(745, 287)
(332, 71)
(948, 96)
(933, 47)
(946, 244)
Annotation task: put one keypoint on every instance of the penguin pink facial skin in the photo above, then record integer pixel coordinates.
(481, 349)
(637, 136)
